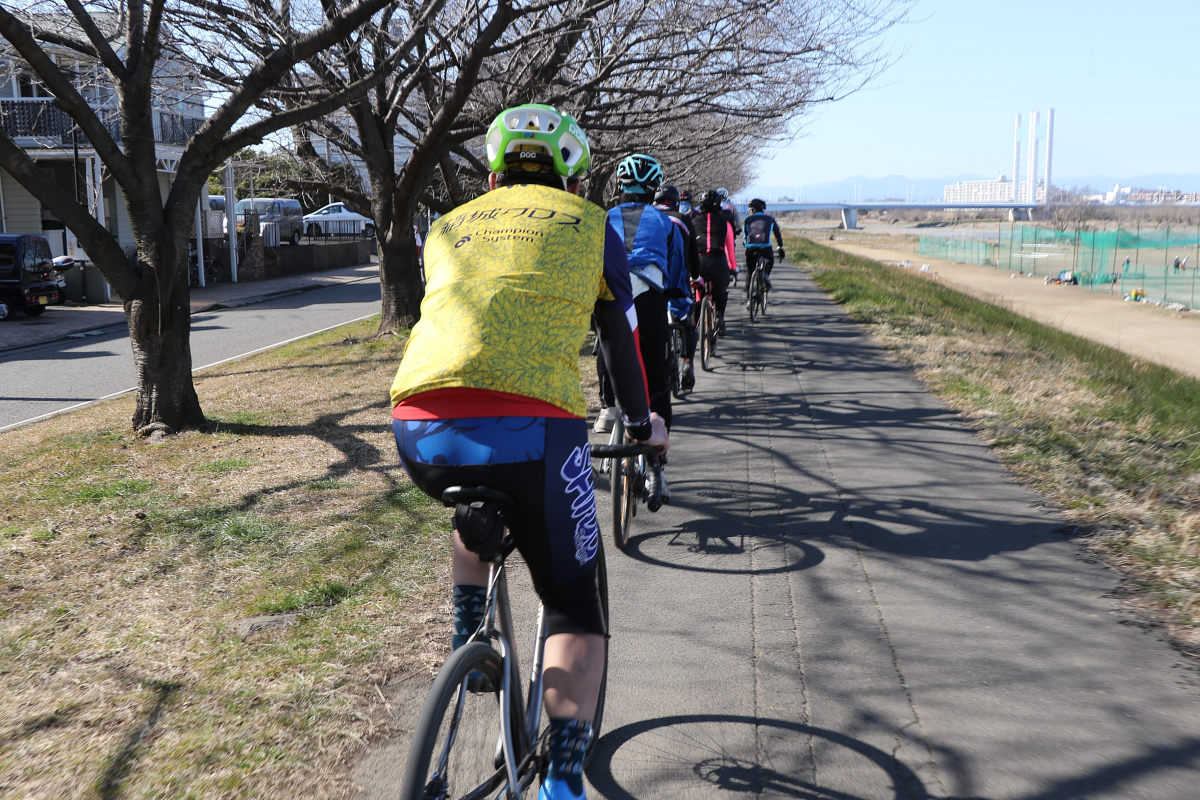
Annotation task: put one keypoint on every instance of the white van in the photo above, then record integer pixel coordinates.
(285, 214)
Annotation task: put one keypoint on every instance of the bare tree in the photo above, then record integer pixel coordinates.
(705, 88)
(702, 87)
(146, 55)
(408, 132)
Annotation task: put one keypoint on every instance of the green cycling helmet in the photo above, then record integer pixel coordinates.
(537, 134)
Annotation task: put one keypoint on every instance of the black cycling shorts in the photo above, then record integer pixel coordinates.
(544, 465)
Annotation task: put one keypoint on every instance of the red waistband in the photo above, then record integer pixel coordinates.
(464, 403)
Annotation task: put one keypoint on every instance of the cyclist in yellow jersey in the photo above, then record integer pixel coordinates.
(488, 392)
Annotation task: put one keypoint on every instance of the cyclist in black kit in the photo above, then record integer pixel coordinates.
(715, 247)
(730, 211)
(758, 229)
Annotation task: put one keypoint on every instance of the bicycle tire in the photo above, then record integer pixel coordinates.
(708, 336)
(453, 752)
(624, 502)
(713, 327)
(598, 719)
(620, 488)
(755, 293)
(678, 365)
(674, 353)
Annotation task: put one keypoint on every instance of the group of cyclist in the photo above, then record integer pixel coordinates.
(488, 392)
(668, 252)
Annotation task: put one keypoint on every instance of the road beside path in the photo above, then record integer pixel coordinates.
(849, 597)
(1143, 330)
(81, 321)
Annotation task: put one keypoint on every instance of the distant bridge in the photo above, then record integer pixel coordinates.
(850, 210)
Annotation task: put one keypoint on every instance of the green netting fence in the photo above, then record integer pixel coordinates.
(1158, 265)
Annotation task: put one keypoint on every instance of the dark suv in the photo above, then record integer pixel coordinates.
(27, 279)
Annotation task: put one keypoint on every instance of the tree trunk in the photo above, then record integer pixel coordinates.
(400, 284)
(159, 333)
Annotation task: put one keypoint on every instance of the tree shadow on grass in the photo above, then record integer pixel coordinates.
(358, 452)
(123, 761)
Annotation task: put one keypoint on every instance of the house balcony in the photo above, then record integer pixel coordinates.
(42, 120)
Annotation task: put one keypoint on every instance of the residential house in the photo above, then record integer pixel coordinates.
(52, 139)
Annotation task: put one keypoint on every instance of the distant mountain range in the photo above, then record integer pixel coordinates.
(898, 187)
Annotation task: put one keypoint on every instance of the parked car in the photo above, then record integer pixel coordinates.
(27, 277)
(337, 219)
(283, 212)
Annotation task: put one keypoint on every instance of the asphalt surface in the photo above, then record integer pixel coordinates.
(850, 598)
(86, 319)
(72, 355)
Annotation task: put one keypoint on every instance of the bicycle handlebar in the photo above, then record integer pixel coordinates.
(654, 499)
(627, 450)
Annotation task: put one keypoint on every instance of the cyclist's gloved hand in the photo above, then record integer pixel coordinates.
(780, 254)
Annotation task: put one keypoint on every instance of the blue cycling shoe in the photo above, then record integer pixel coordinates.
(557, 789)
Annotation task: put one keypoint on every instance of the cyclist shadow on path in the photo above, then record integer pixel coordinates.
(661, 741)
(713, 529)
(672, 744)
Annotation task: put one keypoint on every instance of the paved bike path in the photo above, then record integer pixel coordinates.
(850, 598)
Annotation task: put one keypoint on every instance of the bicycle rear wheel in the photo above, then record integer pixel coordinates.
(708, 333)
(675, 362)
(756, 291)
(621, 485)
(454, 746)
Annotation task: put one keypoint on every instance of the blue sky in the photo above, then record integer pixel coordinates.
(1123, 80)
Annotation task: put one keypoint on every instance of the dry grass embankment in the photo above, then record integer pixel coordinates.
(219, 615)
(212, 616)
(1112, 440)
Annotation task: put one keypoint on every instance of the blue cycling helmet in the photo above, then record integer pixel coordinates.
(639, 174)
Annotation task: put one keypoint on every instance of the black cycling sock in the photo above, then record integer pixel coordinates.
(469, 602)
(568, 741)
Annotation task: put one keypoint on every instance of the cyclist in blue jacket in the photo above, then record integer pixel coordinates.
(669, 201)
(758, 229)
(658, 272)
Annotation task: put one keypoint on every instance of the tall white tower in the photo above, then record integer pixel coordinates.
(1031, 173)
(1016, 170)
(1049, 148)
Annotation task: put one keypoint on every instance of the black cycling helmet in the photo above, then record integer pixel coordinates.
(668, 194)
(757, 205)
(710, 201)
